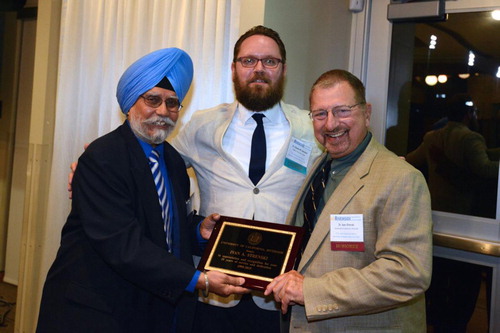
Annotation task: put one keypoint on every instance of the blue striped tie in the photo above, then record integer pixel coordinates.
(154, 163)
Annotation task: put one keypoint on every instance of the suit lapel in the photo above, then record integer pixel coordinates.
(297, 130)
(143, 180)
(351, 185)
(178, 198)
(220, 130)
(277, 163)
(299, 199)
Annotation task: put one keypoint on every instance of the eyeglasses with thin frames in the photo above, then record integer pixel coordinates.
(172, 103)
(251, 62)
(340, 112)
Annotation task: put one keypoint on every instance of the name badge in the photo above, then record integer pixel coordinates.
(298, 155)
(346, 232)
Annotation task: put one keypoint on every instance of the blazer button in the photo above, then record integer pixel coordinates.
(333, 307)
(256, 190)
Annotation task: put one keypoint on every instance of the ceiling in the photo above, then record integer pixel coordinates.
(456, 36)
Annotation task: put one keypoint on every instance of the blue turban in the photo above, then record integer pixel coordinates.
(148, 71)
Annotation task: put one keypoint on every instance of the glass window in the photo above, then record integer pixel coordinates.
(444, 108)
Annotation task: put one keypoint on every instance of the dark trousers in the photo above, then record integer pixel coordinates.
(452, 295)
(244, 317)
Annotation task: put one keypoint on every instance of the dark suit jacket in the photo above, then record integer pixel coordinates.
(112, 272)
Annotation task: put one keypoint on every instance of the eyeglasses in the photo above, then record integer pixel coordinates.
(172, 103)
(251, 62)
(340, 112)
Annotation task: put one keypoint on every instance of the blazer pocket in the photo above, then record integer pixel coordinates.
(84, 296)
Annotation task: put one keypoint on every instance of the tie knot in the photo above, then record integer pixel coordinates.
(258, 118)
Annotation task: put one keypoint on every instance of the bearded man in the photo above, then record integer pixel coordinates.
(250, 158)
(125, 260)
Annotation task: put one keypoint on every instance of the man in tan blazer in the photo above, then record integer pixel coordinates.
(367, 262)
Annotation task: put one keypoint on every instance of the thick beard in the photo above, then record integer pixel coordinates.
(140, 129)
(259, 98)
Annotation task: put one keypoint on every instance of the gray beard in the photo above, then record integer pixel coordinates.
(140, 131)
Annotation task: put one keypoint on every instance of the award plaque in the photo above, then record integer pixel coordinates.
(257, 251)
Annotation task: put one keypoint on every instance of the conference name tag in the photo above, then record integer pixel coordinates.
(298, 155)
(346, 232)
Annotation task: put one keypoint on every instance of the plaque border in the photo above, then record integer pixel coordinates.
(252, 281)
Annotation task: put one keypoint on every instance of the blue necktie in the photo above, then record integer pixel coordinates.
(258, 151)
(154, 163)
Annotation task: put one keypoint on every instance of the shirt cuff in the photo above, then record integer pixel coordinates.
(193, 282)
(201, 241)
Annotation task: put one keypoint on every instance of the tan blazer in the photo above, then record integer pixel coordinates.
(461, 170)
(380, 289)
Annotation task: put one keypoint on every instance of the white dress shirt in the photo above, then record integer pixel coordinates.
(238, 137)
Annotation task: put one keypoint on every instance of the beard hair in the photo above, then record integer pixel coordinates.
(140, 129)
(259, 98)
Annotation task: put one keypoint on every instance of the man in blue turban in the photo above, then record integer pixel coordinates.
(169, 68)
(125, 260)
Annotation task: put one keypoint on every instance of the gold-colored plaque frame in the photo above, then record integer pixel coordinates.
(258, 251)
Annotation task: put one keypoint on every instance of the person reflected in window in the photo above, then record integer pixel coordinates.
(458, 162)
(459, 167)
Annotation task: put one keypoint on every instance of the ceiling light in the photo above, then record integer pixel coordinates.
(442, 78)
(464, 76)
(433, 42)
(496, 14)
(472, 57)
(431, 80)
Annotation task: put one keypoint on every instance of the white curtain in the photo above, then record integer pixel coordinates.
(99, 40)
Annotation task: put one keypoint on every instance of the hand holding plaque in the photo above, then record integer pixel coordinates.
(221, 284)
(257, 251)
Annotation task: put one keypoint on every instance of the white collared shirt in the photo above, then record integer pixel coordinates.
(237, 140)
